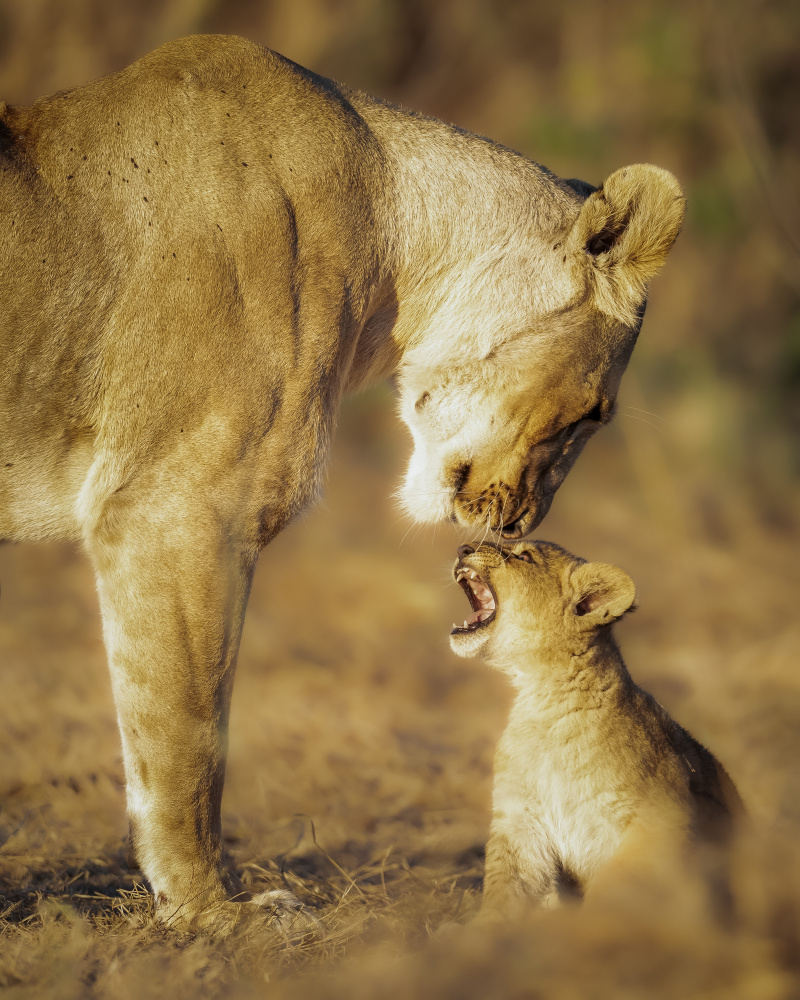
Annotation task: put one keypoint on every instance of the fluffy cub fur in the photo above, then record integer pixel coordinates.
(592, 777)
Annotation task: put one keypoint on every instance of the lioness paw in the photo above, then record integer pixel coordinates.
(286, 914)
(278, 912)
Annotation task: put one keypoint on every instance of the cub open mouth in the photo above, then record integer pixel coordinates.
(481, 599)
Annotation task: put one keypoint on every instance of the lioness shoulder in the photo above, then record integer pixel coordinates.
(591, 774)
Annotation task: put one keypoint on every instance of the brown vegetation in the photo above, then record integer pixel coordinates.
(360, 766)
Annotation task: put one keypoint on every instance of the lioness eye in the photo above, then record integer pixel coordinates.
(596, 414)
(525, 556)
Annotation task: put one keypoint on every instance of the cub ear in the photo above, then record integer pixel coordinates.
(601, 593)
(626, 229)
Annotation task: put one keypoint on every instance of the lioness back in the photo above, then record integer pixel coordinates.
(592, 776)
(157, 219)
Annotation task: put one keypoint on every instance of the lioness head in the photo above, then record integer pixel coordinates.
(523, 362)
(533, 597)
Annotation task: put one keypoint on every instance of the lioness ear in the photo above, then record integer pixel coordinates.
(601, 593)
(626, 228)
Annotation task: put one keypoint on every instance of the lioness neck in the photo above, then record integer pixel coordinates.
(472, 226)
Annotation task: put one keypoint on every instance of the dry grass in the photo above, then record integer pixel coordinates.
(349, 711)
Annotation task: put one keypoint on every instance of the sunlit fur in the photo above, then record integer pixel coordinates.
(200, 254)
(512, 350)
(593, 781)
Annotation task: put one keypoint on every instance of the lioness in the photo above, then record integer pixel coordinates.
(591, 774)
(200, 255)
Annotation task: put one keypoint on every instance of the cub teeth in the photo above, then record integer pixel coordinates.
(469, 573)
(465, 625)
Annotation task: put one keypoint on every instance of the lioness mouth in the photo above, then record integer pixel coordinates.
(481, 599)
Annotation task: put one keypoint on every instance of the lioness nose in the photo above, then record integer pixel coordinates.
(465, 550)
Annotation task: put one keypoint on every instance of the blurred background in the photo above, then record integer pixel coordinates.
(349, 708)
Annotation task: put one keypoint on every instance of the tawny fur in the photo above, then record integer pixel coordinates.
(592, 777)
(200, 254)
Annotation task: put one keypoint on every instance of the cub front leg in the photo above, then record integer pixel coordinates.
(173, 591)
(513, 882)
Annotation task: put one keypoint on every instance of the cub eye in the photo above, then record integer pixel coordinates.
(524, 556)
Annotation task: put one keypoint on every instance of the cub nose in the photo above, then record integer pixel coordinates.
(465, 550)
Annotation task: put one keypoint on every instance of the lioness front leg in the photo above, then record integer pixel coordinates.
(173, 592)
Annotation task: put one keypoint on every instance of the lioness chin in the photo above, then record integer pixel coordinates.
(593, 781)
(200, 254)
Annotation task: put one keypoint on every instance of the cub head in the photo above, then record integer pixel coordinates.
(522, 355)
(533, 597)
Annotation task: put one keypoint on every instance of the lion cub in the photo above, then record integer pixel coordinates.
(592, 777)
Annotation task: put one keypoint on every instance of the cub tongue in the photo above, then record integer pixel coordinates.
(478, 616)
